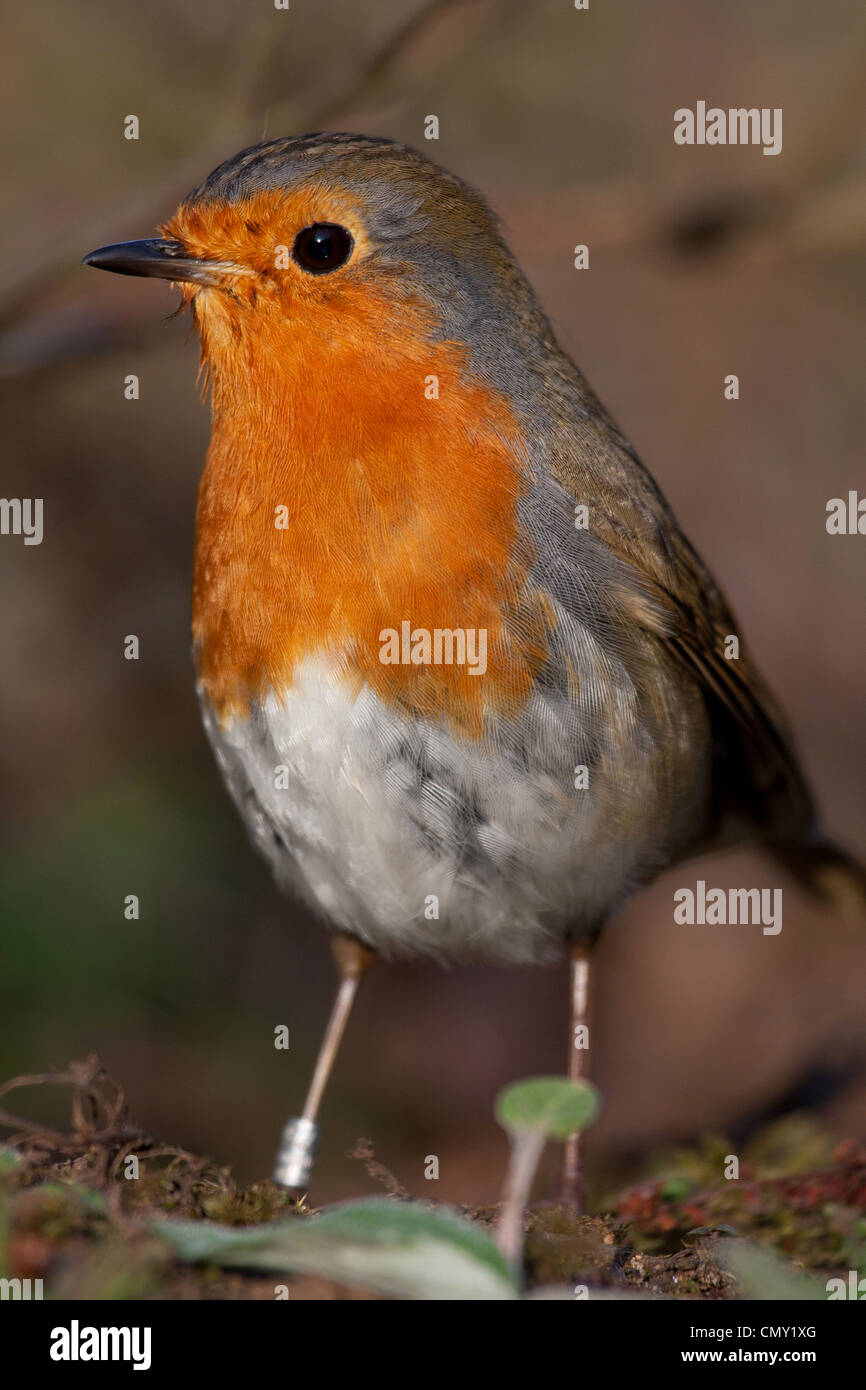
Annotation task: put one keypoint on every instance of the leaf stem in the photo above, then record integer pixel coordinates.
(527, 1146)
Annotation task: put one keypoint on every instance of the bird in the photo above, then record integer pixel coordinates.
(467, 681)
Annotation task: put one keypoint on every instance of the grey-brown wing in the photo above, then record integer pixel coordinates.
(757, 779)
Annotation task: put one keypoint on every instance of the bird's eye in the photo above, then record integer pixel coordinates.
(322, 247)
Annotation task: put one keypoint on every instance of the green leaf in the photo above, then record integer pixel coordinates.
(677, 1188)
(762, 1275)
(10, 1162)
(397, 1248)
(549, 1103)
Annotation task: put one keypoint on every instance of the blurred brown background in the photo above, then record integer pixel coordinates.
(704, 261)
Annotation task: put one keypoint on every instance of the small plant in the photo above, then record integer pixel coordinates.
(533, 1112)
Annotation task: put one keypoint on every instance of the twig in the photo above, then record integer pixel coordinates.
(37, 283)
(366, 1154)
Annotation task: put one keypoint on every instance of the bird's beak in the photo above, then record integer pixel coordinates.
(160, 258)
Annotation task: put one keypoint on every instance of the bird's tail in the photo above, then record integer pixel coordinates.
(826, 872)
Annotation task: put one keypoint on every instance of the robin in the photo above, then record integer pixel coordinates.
(465, 677)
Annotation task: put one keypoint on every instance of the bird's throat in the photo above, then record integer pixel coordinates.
(356, 480)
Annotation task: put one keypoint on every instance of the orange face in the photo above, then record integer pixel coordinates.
(358, 476)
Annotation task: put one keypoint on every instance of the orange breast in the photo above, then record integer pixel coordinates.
(342, 496)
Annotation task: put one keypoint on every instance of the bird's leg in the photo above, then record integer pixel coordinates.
(297, 1151)
(571, 1188)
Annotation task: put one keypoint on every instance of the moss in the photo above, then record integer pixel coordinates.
(234, 1207)
(53, 1211)
(68, 1215)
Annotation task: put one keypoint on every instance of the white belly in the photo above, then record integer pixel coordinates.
(423, 844)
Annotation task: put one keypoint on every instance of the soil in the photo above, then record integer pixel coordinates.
(67, 1215)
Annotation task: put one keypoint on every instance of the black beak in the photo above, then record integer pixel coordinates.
(159, 258)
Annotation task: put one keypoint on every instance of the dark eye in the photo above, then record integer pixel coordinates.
(322, 247)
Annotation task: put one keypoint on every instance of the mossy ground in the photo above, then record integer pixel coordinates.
(69, 1216)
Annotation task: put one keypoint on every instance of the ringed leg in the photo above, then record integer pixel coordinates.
(300, 1138)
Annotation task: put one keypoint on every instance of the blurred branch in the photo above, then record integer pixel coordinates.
(40, 281)
(386, 59)
(816, 209)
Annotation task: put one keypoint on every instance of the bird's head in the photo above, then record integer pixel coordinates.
(327, 245)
